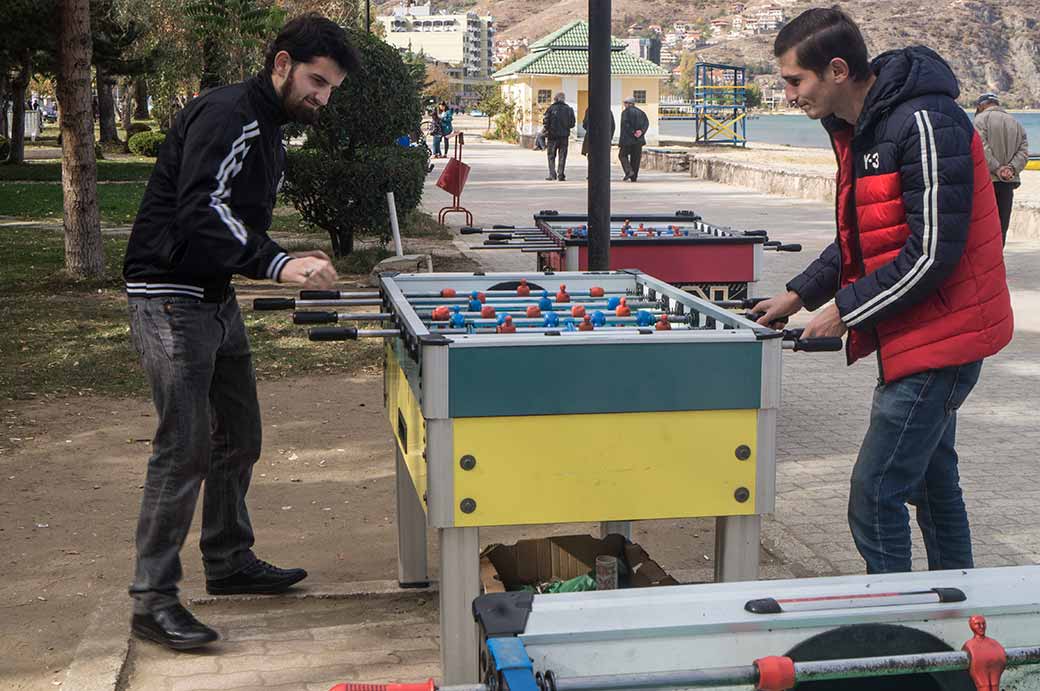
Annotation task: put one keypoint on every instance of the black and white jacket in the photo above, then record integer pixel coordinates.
(207, 208)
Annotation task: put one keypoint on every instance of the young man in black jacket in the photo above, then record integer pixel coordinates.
(558, 122)
(204, 217)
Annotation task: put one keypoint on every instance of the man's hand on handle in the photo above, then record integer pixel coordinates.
(311, 269)
(826, 323)
(778, 308)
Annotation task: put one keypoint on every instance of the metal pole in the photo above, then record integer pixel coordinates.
(368, 17)
(599, 135)
(392, 210)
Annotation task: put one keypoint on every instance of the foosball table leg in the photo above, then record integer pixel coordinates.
(411, 531)
(623, 528)
(460, 585)
(737, 540)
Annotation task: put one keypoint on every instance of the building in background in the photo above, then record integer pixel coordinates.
(464, 41)
(560, 62)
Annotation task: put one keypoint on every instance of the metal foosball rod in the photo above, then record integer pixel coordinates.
(770, 672)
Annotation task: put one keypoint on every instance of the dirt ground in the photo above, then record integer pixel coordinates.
(322, 497)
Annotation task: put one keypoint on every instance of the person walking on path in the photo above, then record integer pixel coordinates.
(632, 138)
(444, 116)
(558, 122)
(204, 218)
(916, 273)
(1007, 152)
(585, 126)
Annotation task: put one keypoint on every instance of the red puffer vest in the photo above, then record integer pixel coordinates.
(968, 318)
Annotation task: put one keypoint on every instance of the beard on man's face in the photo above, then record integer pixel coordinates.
(296, 107)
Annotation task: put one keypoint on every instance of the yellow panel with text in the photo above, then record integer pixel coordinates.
(621, 466)
(406, 420)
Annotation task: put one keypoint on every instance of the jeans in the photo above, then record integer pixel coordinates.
(437, 139)
(556, 151)
(908, 456)
(197, 358)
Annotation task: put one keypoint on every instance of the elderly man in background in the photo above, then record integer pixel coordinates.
(1007, 151)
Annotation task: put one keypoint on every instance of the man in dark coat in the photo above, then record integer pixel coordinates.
(632, 139)
(558, 122)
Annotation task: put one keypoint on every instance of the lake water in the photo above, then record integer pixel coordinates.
(797, 130)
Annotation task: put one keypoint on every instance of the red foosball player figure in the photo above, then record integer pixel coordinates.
(523, 290)
(663, 324)
(596, 292)
(578, 311)
(533, 311)
(441, 314)
(506, 327)
(448, 293)
(562, 296)
(987, 658)
(623, 310)
(586, 324)
(487, 312)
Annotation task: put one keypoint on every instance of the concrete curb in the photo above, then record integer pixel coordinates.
(102, 659)
(102, 652)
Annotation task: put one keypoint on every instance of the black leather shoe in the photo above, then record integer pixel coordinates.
(551, 177)
(259, 578)
(173, 627)
(562, 178)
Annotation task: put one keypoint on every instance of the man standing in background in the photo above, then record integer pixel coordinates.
(632, 138)
(1007, 152)
(558, 122)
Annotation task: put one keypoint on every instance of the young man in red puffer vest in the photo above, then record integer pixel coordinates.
(916, 273)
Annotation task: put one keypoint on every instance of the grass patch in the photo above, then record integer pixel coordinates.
(419, 224)
(67, 337)
(117, 203)
(108, 170)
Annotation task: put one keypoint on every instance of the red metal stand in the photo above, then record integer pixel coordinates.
(452, 180)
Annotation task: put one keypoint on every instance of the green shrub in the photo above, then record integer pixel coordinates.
(338, 181)
(348, 195)
(506, 126)
(136, 127)
(5, 148)
(146, 143)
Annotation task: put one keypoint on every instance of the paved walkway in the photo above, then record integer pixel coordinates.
(304, 644)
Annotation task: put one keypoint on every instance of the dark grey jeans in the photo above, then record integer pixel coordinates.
(197, 358)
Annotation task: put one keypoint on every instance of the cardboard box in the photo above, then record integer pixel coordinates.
(529, 562)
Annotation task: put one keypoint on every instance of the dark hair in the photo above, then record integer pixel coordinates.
(821, 34)
(312, 36)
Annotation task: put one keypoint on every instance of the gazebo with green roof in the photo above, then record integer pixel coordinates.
(560, 62)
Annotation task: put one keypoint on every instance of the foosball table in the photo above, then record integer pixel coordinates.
(681, 248)
(535, 398)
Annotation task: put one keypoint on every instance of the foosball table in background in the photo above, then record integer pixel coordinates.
(561, 398)
(710, 261)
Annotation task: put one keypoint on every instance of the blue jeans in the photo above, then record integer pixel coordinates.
(908, 456)
(199, 364)
(437, 139)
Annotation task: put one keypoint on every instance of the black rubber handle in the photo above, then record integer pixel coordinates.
(333, 333)
(502, 226)
(500, 236)
(793, 334)
(771, 243)
(470, 230)
(793, 247)
(319, 295)
(268, 304)
(757, 233)
(752, 302)
(827, 344)
(315, 318)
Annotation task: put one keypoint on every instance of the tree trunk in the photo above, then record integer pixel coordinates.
(3, 105)
(84, 256)
(141, 98)
(211, 51)
(19, 85)
(106, 107)
(127, 112)
(342, 242)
